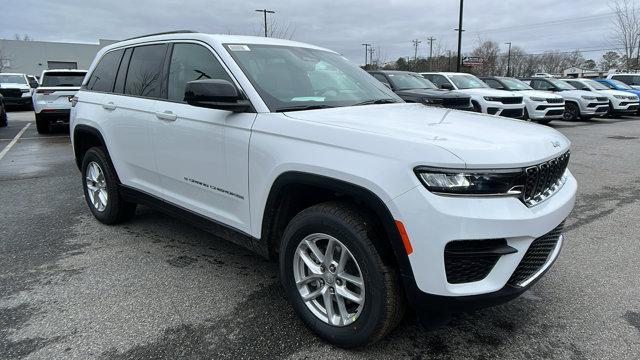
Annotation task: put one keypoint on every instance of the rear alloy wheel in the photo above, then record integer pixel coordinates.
(335, 278)
(101, 189)
(571, 112)
(3, 117)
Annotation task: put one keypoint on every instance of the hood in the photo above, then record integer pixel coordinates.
(538, 93)
(612, 92)
(488, 92)
(14, 86)
(436, 93)
(573, 94)
(481, 141)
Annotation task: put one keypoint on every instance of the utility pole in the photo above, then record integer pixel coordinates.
(366, 53)
(431, 39)
(460, 30)
(371, 50)
(509, 60)
(265, 12)
(449, 67)
(638, 56)
(415, 42)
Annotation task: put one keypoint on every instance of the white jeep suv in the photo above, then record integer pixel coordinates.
(52, 99)
(483, 98)
(367, 203)
(579, 104)
(620, 102)
(15, 89)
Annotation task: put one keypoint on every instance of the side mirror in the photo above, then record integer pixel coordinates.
(215, 94)
(446, 86)
(33, 85)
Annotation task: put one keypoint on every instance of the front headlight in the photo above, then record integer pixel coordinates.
(472, 182)
(432, 101)
(537, 99)
(622, 97)
(588, 97)
(491, 98)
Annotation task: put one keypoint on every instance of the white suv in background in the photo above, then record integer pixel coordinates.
(483, 98)
(620, 102)
(15, 89)
(52, 99)
(579, 104)
(631, 79)
(291, 150)
(541, 106)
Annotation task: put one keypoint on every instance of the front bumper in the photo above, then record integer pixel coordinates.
(17, 100)
(625, 107)
(591, 108)
(545, 111)
(432, 221)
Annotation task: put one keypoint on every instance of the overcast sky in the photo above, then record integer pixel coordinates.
(536, 25)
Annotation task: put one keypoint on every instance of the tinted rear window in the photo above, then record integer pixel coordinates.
(62, 79)
(104, 75)
(145, 71)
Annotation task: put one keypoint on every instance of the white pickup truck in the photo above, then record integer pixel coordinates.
(51, 100)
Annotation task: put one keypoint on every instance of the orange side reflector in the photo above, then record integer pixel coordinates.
(404, 236)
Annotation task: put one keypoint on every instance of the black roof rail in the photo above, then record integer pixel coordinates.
(163, 33)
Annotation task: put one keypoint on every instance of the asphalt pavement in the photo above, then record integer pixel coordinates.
(159, 288)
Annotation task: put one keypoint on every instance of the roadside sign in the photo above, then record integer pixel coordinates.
(472, 61)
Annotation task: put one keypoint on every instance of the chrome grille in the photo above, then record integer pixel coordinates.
(542, 180)
(555, 100)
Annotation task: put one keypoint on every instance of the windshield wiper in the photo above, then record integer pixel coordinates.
(304, 107)
(377, 101)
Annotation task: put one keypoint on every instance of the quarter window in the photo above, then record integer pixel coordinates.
(382, 79)
(191, 62)
(104, 75)
(145, 71)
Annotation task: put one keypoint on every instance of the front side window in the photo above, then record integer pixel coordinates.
(515, 84)
(62, 78)
(467, 82)
(192, 62)
(439, 80)
(104, 75)
(12, 79)
(382, 79)
(288, 77)
(596, 85)
(145, 71)
(407, 81)
(494, 84)
(615, 84)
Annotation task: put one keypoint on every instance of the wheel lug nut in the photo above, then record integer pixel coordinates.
(322, 268)
(331, 291)
(338, 282)
(332, 268)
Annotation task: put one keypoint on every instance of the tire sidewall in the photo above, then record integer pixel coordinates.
(108, 215)
(572, 109)
(358, 332)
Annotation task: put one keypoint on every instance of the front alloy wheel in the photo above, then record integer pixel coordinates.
(96, 186)
(329, 279)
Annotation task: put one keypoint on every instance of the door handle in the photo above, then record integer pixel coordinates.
(109, 106)
(166, 116)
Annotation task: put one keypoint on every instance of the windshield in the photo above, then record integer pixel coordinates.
(561, 84)
(515, 84)
(619, 85)
(289, 78)
(12, 79)
(62, 78)
(596, 85)
(408, 81)
(467, 82)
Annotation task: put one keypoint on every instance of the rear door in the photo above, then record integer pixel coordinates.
(202, 154)
(129, 109)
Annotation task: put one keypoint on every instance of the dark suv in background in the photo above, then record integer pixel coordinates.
(412, 87)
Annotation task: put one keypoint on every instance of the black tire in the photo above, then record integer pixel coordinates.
(42, 125)
(384, 304)
(117, 210)
(476, 107)
(4, 121)
(571, 112)
(525, 115)
(544, 122)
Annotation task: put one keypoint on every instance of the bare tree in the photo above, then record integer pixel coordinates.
(276, 29)
(489, 51)
(610, 60)
(4, 60)
(626, 27)
(22, 37)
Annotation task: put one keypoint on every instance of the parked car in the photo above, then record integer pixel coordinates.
(579, 104)
(4, 121)
(15, 89)
(620, 102)
(52, 100)
(619, 85)
(540, 106)
(289, 149)
(483, 98)
(632, 80)
(414, 88)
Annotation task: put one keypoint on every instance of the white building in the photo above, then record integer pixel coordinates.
(32, 57)
(577, 72)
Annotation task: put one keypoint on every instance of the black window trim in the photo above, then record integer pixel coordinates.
(169, 43)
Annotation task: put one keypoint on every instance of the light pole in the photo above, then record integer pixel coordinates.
(509, 60)
(366, 53)
(265, 12)
(431, 39)
(460, 30)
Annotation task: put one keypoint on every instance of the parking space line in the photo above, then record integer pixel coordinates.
(14, 141)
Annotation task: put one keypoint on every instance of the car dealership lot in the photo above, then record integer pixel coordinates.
(158, 287)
